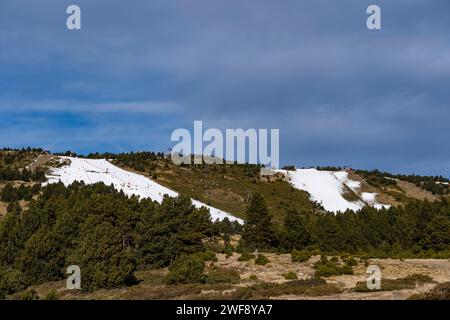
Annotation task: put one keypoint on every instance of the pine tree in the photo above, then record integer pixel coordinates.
(258, 229)
(297, 232)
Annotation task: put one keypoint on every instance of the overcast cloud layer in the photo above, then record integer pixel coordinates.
(340, 94)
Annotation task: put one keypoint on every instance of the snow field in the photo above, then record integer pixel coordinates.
(92, 171)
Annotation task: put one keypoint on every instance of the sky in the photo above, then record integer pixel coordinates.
(137, 70)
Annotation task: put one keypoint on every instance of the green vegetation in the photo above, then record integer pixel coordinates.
(261, 260)
(8, 174)
(311, 287)
(351, 261)
(246, 256)
(258, 231)
(208, 255)
(439, 292)
(18, 158)
(330, 267)
(112, 237)
(52, 295)
(29, 295)
(186, 269)
(418, 229)
(290, 275)
(437, 185)
(11, 281)
(300, 256)
(9, 193)
(222, 275)
(107, 234)
(407, 282)
(224, 186)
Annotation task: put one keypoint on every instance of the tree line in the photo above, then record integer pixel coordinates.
(107, 234)
(110, 236)
(13, 174)
(419, 228)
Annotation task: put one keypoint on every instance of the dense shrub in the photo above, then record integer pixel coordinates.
(407, 282)
(222, 275)
(186, 269)
(310, 287)
(439, 292)
(420, 228)
(329, 267)
(300, 256)
(261, 260)
(290, 275)
(29, 295)
(52, 295)
(108, 235)
(208, 255)
(351, 261)
(258, 230)
(246, 256)
(167, 231)
(9, 193)
(11, 280)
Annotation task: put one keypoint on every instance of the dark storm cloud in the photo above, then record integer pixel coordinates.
(340, 94)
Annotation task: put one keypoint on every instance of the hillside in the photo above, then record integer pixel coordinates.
(225, 188)
(334, 190)
(110, 217)
(91, 171)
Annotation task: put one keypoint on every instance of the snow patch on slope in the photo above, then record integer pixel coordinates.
(327, 188)
(92, 171)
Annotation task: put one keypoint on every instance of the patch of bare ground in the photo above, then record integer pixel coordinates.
(381, 196)
(151, 284)
(41, 161)
(379, 295)
(3, 210)
(414, 191)
(234, 241)
(438, 269)
(272, 272)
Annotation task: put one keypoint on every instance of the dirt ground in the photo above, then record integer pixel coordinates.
(413, 191)
(271, 272)
(40, 161)
(438, 269)
(3, 207)
(151, 287)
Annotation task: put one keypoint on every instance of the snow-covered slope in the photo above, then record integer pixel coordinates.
(327, 188)
(92, 171)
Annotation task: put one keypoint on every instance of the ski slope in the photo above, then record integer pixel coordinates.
(327, 188)
(92, 171)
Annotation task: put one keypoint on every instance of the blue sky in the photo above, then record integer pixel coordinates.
(339, 93)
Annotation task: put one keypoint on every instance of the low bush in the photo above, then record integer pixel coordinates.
(351, 261)
(300, 256)
(440, 292)
(222, 275)
(290, 275)
(29, 295)
(208, 255)
(310, 287)
(328, 268)
(228, 251)
(52, 295)
(262, 260)
(346, 269)
(186, 269)
(11, 281)
(408, 282)
(246, 256)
